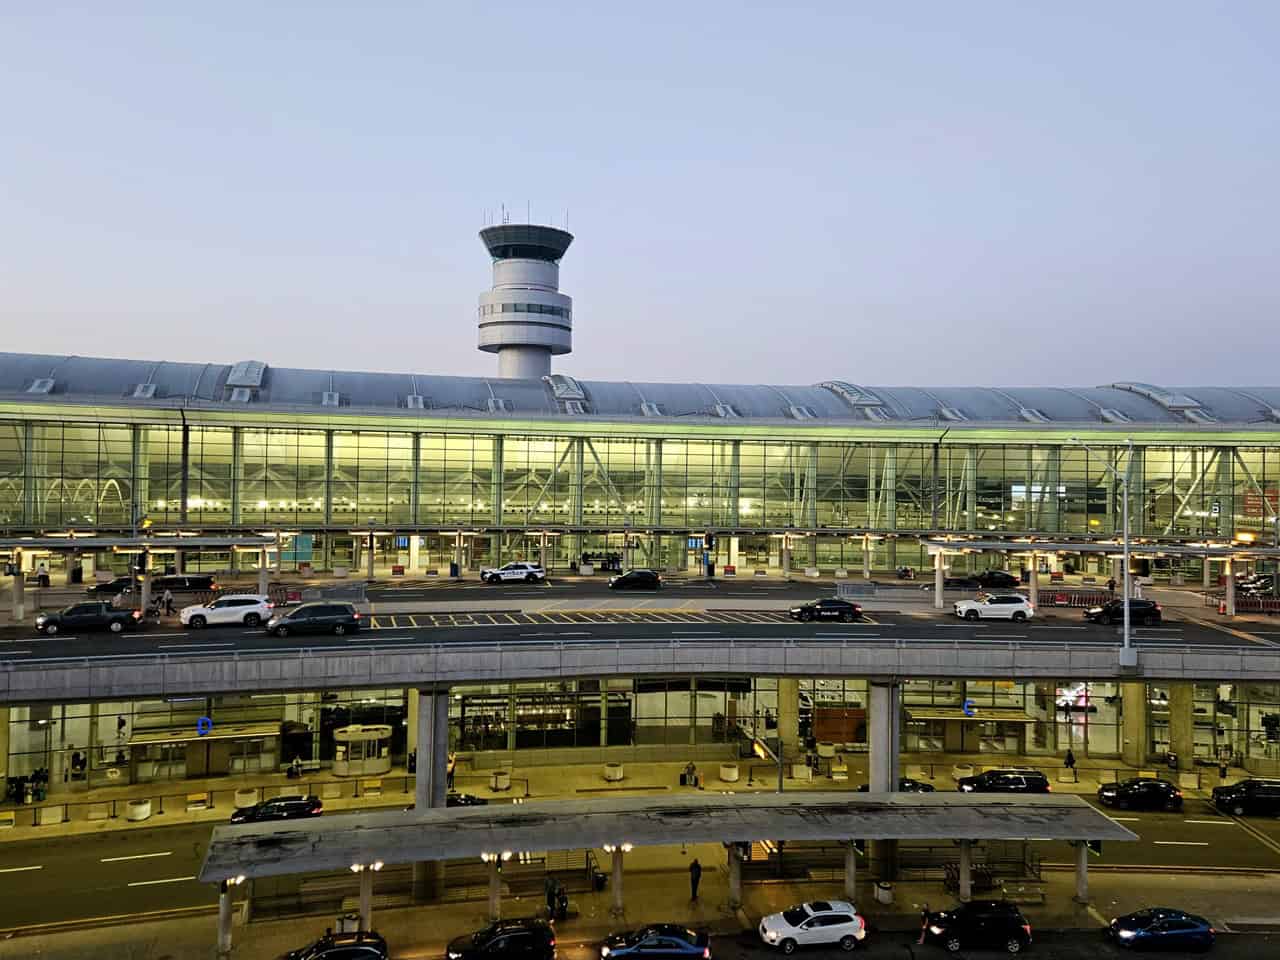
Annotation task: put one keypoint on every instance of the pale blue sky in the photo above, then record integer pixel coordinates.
(931, 193)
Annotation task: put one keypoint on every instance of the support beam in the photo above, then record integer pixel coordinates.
(224, 922)
(939, 575)
(788, 712)
(429, 734)
(1034, 583)
(495, 890)
(884, 725)
(262, 572)
(19, 608)
(1133, 723)
(1082, 872)
(1229, 583)
(850, 872)
(373, 544)
(866, 556)
(1182, 723)
(366, 898)
(616, 883)
(966, 871)
(146, 581)
(735, 876)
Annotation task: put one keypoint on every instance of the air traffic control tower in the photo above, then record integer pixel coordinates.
(524, 318)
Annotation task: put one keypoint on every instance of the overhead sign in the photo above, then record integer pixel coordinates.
(969, 708)
(204, 726)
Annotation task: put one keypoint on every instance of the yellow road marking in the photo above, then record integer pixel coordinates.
(1231, 631)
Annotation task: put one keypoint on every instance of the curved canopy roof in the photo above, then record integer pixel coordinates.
(256, 385)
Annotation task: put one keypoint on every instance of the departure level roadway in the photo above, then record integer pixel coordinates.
(692, 626)
(153, 868)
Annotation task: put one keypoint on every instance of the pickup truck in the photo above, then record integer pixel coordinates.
(88, 616)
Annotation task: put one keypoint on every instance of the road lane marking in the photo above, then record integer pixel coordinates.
(16, 653)
(695, 633)
(1127, 819)
(850, 636)
(136, 856)
(192, 646)
(21, 869)
(1007, 636)
(151, 883)
(1216, 823)
(574, 633)
(375, 639)
(1180, 843)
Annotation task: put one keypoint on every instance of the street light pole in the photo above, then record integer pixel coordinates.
(1128, 655)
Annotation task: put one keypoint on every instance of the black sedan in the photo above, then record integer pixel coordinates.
(997, 924)
(1144, 612)
(366, 945)
(279, 808)
(1141, 793)
(636, 580)
(1162, 928)
(464, 800)
(827, 608)
(905, 785)
(997, 579)
(658, 940)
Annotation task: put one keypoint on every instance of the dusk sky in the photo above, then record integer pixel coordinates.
(929, 193)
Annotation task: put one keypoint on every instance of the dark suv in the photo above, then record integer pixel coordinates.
(978, 923)
(1145, 612)
(636, 580)
(1141, 793)
(1253, 796)
(110, 588)
(506, 940)
(96, 615)
(280, 808)
(999, 579)
(365, 945)
(1005, 781)
(321, 617)
(826, 608)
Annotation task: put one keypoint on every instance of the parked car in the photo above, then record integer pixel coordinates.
(814, 923)
(318, 617)
(1256, 796)
(519, 570)
(667, 940)
(1144, 612)
(290, 807)
(506, 940)
(979, 923)
(365, 945)
(827, 608)
(97, 615)
(111, 588)
(954, 583)
(1012, 780)
(636, 580)
(1003, 606)
(464, 800)
(1162, 928)
(905, 785)
(997, 579)
(1141, 793)
(250, 609)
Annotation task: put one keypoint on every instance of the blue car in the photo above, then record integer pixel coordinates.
(670, 941)
(1162, 928)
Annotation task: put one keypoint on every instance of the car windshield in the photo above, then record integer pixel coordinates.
(795, 916)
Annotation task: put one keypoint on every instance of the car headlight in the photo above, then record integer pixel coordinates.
(454, 955)
(605, 951)
(1127, 934)
(967, 788)
(771, 936)
(935, 930)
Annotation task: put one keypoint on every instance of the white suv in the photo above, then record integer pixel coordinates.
(513, 571)
(250, 609)
(816, 922)
(1004, 606)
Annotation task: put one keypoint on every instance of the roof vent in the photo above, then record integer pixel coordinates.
(247, 373)
(1198, 416)
(1173, 402)
(725, 411)
(415, 401)
(852, 394)
(241, 395)
(331, 398)
(1112, 415)
(498, 405)
(650, 409)
(1032, 415)
(878, 414)
(43, 385)
(798, 412)
(951, 414)
(575, 407)
(565, 387)
(144, 391)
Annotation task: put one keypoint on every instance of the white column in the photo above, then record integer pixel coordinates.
(431, 777)
(1034, 592)
(146, 580)
(1230, 586)
(366, 898)
(373, 541)
(280, 551)
(262, 572)
(179, 562)
(616, 882)
(495, 890)
(850, 872)
(786, 556)
(224, 922)
(1082, 872)
(966, 878)
(735, 876)
(1205, 582)
(938, 575)
(457, 552)
(415, 542)
(866, 556)
(886, 707)
(734, 546)
(19, 591)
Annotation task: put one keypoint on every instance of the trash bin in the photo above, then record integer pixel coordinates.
(599, 880)
(711, 569)
(454, 572)
(884, 892)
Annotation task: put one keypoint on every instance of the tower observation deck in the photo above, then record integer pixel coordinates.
(524, 318)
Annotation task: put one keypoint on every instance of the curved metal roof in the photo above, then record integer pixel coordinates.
(255, 385)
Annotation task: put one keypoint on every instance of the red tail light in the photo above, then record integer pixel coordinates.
(1177, 793)
(357, 615)
(1026, 928)
(706, 953)
(270, 605)
(553, 941)
(1048, 788)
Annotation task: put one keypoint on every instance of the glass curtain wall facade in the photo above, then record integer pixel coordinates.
(59, 475)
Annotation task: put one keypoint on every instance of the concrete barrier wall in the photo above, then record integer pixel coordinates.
(108, 678)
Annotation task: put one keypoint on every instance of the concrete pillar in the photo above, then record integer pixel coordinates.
(735, 876)
(19, 592)
(1034, 592)
(786, 555)
(1082, 872)
(939, 574)
(4, 742)
(411, 709)
(373, 542)
(1230, 576)
(604, 716)
(693, 711)
(224, 921)
(866, 557)
(280, 551)
(883, 730)
(1182, 722)
(788, 712)
(850, 873)
(1133, 723)
(1117, 573)
(179, 562)
(495, 890)
(262, 572)
(616, 882)
(146, 580)
(966, 871)
(735, 544)
(415, 557)
(457, 551)
(512, 716)
(366, 898)
(1205, 583)
(429, 733)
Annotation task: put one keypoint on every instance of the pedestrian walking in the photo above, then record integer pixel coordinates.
(1111, 586)
(549, 891)
(168, 602)
(448, 774)
(1070, 763)
(695, 877)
